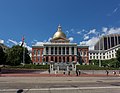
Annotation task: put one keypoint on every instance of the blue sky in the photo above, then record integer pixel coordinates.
(37, 20)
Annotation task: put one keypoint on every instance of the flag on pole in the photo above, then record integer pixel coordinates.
(22, 41)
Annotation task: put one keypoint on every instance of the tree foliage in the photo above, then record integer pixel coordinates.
(2, 56)
(118, 54)
(15, 56)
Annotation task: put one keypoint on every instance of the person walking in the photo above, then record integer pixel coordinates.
(69, 72)
(79, 71)
(107, 72)
(49, 71)
(76, 72)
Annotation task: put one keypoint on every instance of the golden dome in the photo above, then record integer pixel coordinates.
(59, 33)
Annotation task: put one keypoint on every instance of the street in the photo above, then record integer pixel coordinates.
(60, 84)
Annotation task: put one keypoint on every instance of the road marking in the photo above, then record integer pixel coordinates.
(69, 88)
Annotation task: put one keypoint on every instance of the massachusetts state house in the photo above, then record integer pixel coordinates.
(59, 49)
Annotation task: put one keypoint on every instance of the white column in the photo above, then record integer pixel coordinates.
(69, 50)
(75, 51)
(44, 50)
(49, 52)
(65, 50)
(53, 50)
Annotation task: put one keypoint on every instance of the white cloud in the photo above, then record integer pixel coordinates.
(93, 31)
(107, 31)
(12, 41)
(78, 32)
(104, 29)
(39, 43)
(19, 43)
(71, 39)
(115, 10)
(25, 44)
(72, 30)
(114, 31)
(1, 41)
(49, 39)
(86, 37)
(91, 42)
(67, 32)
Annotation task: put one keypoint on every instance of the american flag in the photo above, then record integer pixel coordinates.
(22, 41)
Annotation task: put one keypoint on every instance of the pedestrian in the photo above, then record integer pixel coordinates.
(79, 71)
(114, 72)
(76, 72)
(68, 72)
(64, 72)
(49, 71)
(107, 72)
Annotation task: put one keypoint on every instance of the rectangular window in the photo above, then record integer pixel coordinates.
(85, 53)
(38, 58)
(38, 52)
(34, 52)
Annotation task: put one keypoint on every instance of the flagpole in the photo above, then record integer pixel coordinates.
(23, 55)
(99, 52)
(23, 50)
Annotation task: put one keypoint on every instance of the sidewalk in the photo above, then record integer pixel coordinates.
(55, 75)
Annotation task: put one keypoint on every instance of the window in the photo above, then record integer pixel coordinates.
(34, 58)
(67, 59)
(38, 58)
(72, 58)
(47, 59)
(85, 53)
(34, 52)
(38, 52)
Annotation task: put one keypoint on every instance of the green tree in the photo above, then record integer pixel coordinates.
(2, 56)
(95, 62)
(15, 56)
(118, 55)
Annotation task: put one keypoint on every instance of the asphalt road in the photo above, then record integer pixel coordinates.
(60, 84)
